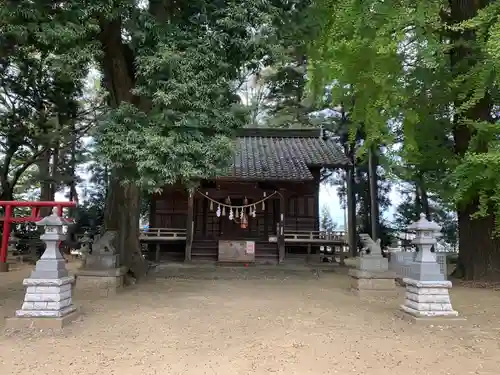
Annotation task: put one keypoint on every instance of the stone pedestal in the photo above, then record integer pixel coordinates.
(101, 271)
(372, 276)
(429, 301)
(366, 283)
(48, 300)
(47, 304)
(103, 282)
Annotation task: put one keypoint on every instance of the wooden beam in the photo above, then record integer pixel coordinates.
(152, 210)
(189, 224)
(351, 213)
(157, 256)
(281, 228)
(205, 217)
(266, 217)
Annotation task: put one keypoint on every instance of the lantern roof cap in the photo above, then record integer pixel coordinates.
(53, 220)
(424, 225)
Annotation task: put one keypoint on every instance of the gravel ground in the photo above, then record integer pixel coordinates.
(290, 325)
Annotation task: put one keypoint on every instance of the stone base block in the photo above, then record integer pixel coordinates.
(372, 283)
(431, 320)
(40, 323)
(426, 300)
(4, 267)
(103, 282)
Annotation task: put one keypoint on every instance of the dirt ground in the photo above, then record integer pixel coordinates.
(290, 325)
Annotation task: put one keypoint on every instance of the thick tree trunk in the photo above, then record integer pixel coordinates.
(122, 207)
(374, 198)
(479, 257)
(479, 251)
(46, 191)
(7, 194)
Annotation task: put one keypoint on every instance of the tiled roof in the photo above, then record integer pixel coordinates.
(283, 154)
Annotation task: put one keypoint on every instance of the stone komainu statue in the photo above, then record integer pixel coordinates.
(105, 244)
(370, 247)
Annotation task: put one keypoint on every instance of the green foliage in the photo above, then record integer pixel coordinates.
(412, 74)
(183, 62)
(486, 184)
(40, 90)
(410, 208)
(286, 102)
(326, 222)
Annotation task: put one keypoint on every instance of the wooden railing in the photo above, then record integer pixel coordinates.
(311, 237)
(162, 234)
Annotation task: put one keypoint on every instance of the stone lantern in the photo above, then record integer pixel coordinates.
(427, 291)
(48, 299)
(425, 266)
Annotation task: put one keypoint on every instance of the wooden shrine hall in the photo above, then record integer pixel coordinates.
(265, 209)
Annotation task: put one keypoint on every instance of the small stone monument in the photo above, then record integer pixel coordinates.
(427, 291)
(101, 269)
(47, 302)
(85, 242)
(372, 276)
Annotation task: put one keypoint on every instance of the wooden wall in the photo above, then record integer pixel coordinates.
(169, 210)
(208, 225)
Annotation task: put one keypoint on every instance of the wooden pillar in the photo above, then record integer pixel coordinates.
(157, 255)
(372, 175)
(266, 220)
(281, 227)
(205, 217)
(189, 224)
(152, 211)
(351, 212)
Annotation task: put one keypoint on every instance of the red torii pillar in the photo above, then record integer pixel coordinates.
(8, 219)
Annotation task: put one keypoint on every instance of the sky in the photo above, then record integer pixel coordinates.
(328, 196)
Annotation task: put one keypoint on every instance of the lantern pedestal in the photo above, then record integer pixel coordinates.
(428, 301)
(47, 305)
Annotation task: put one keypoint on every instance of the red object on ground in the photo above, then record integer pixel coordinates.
(8, 218)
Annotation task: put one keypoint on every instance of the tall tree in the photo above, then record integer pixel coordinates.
(39, 88)
(326, 221)
(169, 69)
(412, 205)
(390, 54)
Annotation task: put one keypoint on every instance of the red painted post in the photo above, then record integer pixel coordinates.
(5, 233)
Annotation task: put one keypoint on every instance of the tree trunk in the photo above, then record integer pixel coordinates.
(7, 194)
(44, 172)
(479, 256)
(374, 198)
(479, 252)
(122, 205)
